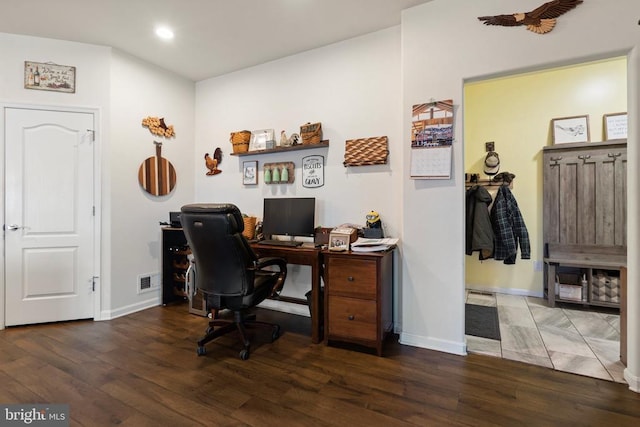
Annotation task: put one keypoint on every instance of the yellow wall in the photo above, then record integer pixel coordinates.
(515, 113)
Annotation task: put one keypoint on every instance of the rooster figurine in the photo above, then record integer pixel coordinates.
(213, 162)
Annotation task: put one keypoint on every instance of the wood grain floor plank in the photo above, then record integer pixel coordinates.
(142, 370)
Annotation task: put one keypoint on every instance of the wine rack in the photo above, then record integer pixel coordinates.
(175, 263)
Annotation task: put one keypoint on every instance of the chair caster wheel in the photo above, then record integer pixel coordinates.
(244, 354)
(276, 333)
(201, 351)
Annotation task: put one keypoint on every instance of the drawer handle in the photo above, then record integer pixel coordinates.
(350, 278)
(351, 317)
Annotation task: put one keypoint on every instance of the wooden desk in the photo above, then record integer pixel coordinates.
(300, 256)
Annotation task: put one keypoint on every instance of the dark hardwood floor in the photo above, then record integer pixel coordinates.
(142, 370)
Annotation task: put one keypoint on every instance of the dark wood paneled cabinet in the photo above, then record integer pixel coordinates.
(358, 297)
(585, 221)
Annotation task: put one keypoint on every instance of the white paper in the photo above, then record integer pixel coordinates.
(374, 242)
(431, 163)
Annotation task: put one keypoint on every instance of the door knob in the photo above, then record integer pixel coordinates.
(13, 227)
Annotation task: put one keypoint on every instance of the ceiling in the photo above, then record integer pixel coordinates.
(212, 37)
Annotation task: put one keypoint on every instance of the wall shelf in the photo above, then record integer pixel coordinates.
(321, 144)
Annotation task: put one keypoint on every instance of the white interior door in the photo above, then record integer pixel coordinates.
(49, 216)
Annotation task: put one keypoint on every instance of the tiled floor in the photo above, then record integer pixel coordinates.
(577, 341)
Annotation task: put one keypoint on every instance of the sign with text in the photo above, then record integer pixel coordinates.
(44, 415)
(313, 171)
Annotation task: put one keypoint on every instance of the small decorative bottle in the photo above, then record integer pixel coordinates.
(276, 174)
(284, 176)
(267, 175)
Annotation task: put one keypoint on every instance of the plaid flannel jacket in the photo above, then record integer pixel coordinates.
(509, 228)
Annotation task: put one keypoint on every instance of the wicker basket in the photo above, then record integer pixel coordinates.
(311, 133)
(240, 141)
(249, 227)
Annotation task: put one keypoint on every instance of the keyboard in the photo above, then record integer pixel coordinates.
(287, 243)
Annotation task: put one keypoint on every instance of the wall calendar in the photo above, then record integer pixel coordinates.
(431, 140)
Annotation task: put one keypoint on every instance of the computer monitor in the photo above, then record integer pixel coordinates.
(293, 216)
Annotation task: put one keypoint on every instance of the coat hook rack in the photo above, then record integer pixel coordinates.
(503, 178)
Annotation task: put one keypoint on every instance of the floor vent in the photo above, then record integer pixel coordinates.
(148, 282)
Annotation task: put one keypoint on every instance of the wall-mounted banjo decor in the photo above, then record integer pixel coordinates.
(156, 174)
(540, 20)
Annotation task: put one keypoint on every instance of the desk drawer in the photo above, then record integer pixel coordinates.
(352, 277)
(352, 318)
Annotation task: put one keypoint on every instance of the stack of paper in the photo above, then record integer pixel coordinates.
(373, 245)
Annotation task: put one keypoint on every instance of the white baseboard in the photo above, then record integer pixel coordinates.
(129, 309)
(632, 380)
(459, 348)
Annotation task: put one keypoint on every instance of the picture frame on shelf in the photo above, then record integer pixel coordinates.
(263, 139)
(49, 76)
(615, 126)
(338, 242)
(250, 172)
(570, 129)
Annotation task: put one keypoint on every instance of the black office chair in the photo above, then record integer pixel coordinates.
(228, 272)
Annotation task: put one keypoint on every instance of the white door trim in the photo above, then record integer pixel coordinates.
(97, 185)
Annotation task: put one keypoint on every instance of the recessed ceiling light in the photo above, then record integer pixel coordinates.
(164, 33)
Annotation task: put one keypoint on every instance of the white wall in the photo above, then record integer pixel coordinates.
(443, 44)
(92, 91)
(353, 88)
(124, 90)
(139, 90)
(358, 88)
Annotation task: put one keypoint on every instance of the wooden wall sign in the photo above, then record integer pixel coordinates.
(366, 151)
(540, 20)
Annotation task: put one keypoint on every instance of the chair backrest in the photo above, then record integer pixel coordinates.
(223, 257)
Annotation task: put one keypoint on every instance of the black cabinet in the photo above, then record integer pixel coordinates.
(175, 263)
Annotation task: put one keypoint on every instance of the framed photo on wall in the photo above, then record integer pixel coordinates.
(615, 126)
(570, 129)
(250, 172)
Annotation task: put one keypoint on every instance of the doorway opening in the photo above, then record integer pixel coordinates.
(514, 114)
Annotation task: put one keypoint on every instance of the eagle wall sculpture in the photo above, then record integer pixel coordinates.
(540, 20)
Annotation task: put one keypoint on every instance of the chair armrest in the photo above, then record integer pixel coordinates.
(281, 263)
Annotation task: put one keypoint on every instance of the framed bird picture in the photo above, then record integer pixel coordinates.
(570, 129)
(250, 172)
